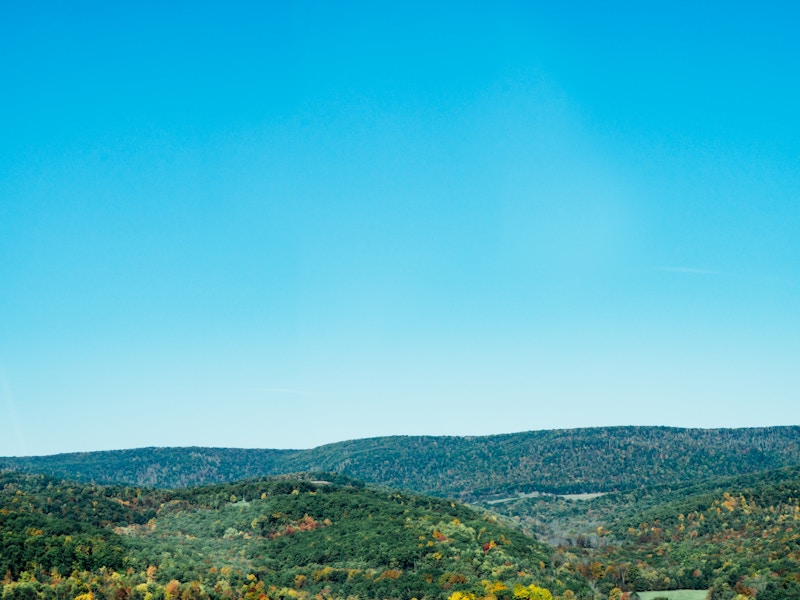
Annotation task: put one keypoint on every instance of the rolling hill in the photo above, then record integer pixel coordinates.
(303, 536)
(735, 535)
(468, 468)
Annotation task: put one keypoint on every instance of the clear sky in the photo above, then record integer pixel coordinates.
(282, 224)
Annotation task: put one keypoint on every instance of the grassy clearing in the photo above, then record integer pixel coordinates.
(587, 496)
(675, 595)
(590, 496)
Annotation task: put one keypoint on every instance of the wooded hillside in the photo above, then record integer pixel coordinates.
(291, 537)
(469, 468)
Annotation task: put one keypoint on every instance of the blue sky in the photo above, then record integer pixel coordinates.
(285, 224)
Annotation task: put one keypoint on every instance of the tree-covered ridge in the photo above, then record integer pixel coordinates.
(253, 540)
(52, 525)
(327, 536)
(556, 461)
(741, 539)
(738, 536)
(157, 467)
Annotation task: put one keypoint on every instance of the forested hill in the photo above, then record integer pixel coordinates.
(739, 536)
(290, 538)
(557, 461)
(158, 467)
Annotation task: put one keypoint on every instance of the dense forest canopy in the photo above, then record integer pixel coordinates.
(326, 535)
(671, 517)
(468, 468)
(737, 536)
(297, 537)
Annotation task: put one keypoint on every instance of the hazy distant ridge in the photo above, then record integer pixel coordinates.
(562, 461)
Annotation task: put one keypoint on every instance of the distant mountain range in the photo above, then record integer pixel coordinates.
(469, 468)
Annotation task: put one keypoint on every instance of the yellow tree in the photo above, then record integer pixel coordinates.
(532, 592)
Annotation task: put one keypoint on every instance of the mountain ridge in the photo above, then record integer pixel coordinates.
(594, 459)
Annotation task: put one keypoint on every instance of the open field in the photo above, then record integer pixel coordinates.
(675, 595)
(588, 496)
